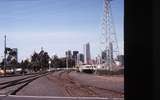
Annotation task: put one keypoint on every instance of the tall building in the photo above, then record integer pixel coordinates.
(121, 59)
(111, 50)
(74, 56)
(107, 55)
(104, 56)
(69, 54)
(80, 58)
(75, 53)
(87, 53)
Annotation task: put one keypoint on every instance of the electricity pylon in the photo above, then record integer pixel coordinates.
(108, 29)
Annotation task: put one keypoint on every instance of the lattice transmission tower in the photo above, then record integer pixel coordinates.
(108, 29)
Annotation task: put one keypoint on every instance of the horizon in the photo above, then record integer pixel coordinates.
(56, 25)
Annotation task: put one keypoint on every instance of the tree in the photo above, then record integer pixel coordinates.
(61, 62)
(35, 62)
(44, 60)
(55, 62)
(25, 65)
(2, 63)
(39, 61)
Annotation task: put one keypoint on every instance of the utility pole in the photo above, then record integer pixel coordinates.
(76, 61)
(5, 55)
(66, 59)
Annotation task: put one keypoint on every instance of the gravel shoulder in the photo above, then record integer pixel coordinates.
(41, 87)
(115, 83)
(55, 84)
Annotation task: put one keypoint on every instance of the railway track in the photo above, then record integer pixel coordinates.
(12, 87)
(75, 88)
(15, 75)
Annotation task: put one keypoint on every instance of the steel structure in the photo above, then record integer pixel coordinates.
(108, 29)
(5, 55)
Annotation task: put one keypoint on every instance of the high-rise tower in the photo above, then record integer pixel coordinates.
(75, 56)
(87, 53)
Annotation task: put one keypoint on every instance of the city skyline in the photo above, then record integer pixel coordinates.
(56, 25)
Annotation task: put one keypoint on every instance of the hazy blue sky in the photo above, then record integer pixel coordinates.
(57, 25)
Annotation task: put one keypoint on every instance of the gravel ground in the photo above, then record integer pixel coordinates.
(78, 84)
(50, 98)
(41, 87)
(108, 82)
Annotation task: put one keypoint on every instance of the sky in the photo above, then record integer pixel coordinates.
(56, 25)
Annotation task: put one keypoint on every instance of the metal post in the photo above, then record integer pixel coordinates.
(75, 61)
(4, 55)
(67, 60)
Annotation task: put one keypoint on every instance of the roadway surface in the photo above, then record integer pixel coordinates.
(70, 85)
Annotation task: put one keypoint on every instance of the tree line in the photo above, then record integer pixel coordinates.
(40, 62)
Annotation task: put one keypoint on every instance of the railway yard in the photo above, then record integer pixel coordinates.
(62, 85)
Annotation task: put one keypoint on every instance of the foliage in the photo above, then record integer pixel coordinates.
(61, 62)
(40, 62)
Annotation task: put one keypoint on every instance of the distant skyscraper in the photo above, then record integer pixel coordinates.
(69, 54)
(121, 59)
(104, 56)
(87, 53)
(111, 50)
(107, 55)
(74, 56)
(80, 58)
(75, 53)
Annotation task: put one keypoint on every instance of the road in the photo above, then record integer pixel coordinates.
(72, 85)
